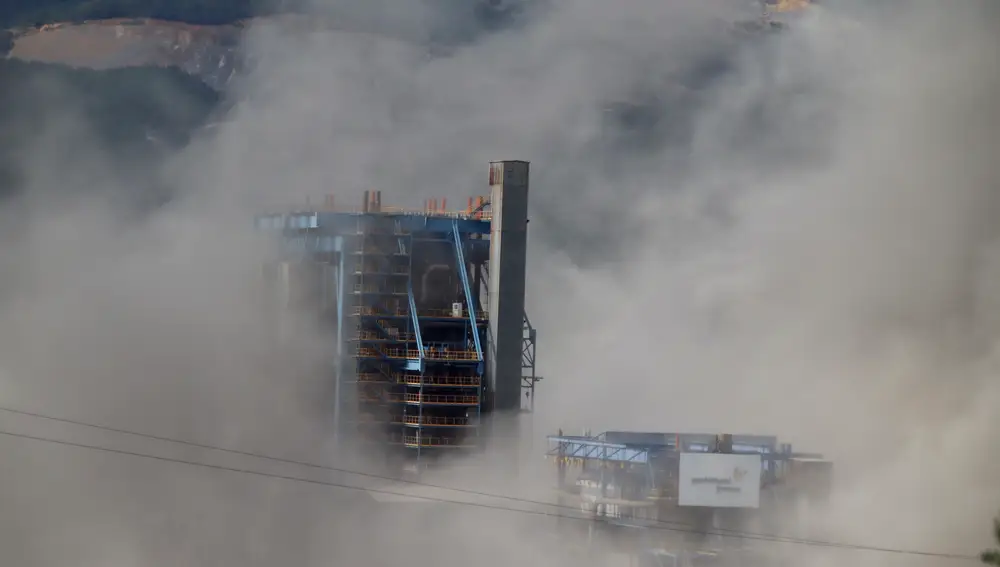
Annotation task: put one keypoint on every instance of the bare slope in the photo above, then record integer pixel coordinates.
(208, 52)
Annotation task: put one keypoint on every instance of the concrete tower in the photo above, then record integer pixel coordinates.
(508, 246)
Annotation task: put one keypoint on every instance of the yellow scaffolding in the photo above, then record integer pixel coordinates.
(363, 335)
(424, 441)
(447, 354)
(383, 337)
(434, 380)
(366, 352)
(393, 335)
(435, 399)
(402, 353)
(476, 209)
(432, 420)
(371, 310)
(449, 314)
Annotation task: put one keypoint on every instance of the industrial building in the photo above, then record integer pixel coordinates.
(428, 337)
(699, 483)
(424, 308)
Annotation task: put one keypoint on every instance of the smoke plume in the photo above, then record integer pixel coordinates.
(789, 234)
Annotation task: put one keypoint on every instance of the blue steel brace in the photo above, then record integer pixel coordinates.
(460, 259)
(593, 448)
(339, 247)
(416, 322)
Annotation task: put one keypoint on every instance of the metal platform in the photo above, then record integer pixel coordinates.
(640, 447)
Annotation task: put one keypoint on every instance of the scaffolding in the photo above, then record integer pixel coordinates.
(384, 336)
(406, 297)
(447, 394)
(418, 344)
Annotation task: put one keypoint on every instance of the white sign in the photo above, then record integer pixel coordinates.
(719, 480)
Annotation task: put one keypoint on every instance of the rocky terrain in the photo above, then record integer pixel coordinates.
(210, 53)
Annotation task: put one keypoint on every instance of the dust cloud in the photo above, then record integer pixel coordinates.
(797, 238)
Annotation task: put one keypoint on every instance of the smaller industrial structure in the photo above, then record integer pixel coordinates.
(698, 483)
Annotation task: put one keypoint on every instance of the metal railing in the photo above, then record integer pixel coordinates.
(434, 399)
(475, 213)
(415, 379)
(368, 336)
(449, 314)
(461, 215)
(402, 353)
(424, 441)
(447, 354)
(393, 333)
(367, 352)
(432, 380)
(369, 310)
(432, 420)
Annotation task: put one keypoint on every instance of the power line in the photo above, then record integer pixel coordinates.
(316, 466)
(272, 458)
(329, 468)
(735, 533)
(251, 472)
(660, 524)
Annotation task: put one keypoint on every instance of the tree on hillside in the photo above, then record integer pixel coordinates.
(992, 556)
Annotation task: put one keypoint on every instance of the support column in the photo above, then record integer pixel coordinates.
(508, 247)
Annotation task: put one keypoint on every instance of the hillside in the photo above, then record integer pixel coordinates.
(135, 115)
(203, 37)
(34, 13)
(208, 52)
